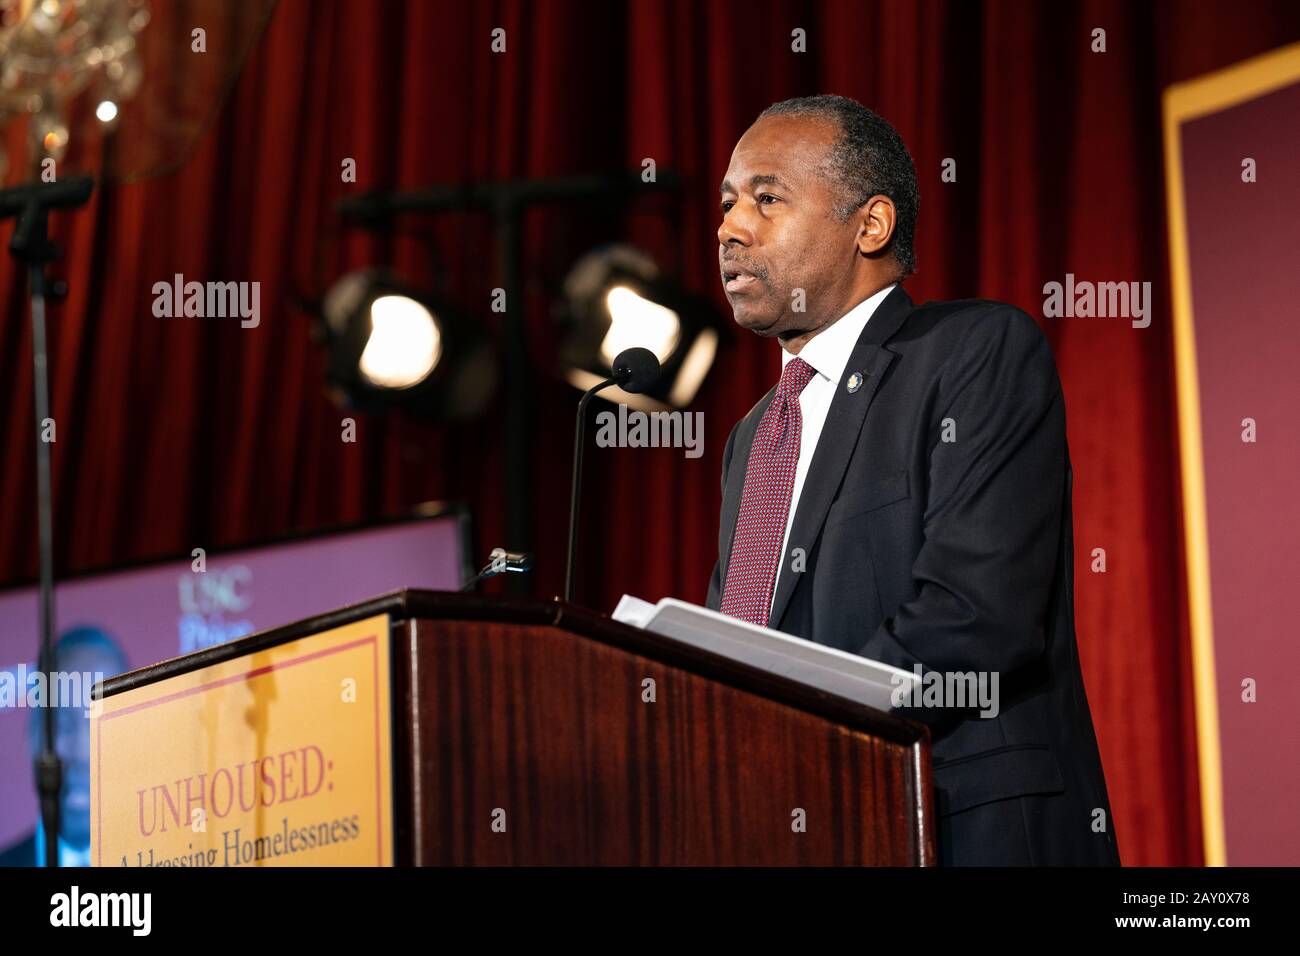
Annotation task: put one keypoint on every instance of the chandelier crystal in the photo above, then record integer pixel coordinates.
(53, 51)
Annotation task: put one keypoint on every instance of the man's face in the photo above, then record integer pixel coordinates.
(779, 233)
(73, 737)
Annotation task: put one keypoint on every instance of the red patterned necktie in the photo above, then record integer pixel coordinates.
(765, 501)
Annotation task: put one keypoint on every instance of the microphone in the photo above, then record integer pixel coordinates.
(634, 370)
(501, 561)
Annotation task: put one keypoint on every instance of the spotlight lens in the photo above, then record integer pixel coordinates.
(634, 320)
(404, 345)
(106, 111)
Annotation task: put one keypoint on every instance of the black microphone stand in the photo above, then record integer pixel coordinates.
(634, 370)
(31, 246)
(580, 427)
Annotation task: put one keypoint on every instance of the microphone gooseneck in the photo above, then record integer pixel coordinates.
(634, 370)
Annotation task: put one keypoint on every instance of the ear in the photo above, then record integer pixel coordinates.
(876, 218)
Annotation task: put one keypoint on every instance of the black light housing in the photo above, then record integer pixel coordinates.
(391, 345)
(616, 298)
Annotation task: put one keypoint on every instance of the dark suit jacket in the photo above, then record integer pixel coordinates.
(957, 555)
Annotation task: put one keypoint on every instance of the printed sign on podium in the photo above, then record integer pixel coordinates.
(277, 758)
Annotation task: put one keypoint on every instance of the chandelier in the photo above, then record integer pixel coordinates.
(52, 51)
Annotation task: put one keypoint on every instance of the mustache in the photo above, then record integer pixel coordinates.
(741, 265)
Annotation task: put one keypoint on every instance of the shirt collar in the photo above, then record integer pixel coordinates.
(828, 351)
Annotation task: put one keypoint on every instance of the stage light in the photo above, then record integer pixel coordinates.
(106, 111)
(404, 345)
(615, 298)
(390, 345)
(634, 321)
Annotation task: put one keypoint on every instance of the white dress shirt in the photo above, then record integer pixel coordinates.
(828, 353)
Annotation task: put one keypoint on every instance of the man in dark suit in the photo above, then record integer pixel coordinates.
(904, 492)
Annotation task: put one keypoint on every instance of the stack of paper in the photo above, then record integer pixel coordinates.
(825, 668)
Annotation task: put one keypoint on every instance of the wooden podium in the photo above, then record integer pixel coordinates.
(505, 732)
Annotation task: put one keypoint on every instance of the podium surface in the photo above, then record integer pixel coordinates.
(434, 728)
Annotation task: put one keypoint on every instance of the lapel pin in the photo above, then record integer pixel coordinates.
(855, 382)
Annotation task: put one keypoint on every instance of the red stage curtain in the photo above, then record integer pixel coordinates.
(176, 433)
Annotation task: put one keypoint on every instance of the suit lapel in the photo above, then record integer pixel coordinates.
(839, 437)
